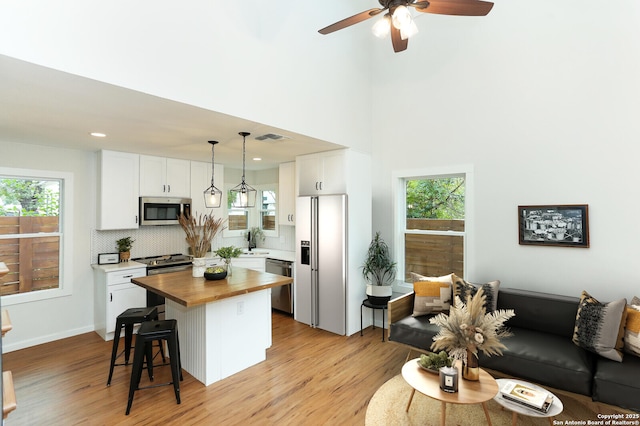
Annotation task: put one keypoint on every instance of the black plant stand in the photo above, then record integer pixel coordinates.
(366, 303)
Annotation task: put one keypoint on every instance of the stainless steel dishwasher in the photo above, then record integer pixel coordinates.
(281, 297)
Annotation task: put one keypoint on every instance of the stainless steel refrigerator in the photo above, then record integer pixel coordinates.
(321, 262)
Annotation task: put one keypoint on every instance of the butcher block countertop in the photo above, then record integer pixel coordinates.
(188, 291)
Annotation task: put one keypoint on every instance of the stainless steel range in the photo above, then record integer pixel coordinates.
(163, 265)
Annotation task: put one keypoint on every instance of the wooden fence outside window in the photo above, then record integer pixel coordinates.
(33, 262)
(434, 255)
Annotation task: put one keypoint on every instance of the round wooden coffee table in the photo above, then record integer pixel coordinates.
(469, 392)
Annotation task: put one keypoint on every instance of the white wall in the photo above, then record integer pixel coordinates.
(241, 58)
(52, 319)
(541, 98)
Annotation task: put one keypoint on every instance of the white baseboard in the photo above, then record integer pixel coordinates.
(44, 339)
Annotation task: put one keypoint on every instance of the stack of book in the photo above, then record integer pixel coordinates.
(535, 399)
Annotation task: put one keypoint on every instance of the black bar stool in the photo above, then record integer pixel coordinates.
(128, 319)
(148, 332)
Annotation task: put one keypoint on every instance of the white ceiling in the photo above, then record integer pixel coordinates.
(42, 106)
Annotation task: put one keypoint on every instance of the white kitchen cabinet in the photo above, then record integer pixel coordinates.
(201, 180)
(322, 173)
(118, 184)
(287, 194)
(114, 293)
(161, 176)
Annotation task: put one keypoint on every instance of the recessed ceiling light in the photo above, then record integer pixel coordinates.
(98, 134)
(257, 159)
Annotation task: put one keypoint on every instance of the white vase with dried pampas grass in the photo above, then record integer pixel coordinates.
(199, 234)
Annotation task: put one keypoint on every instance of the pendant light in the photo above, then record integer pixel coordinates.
(212, 195)
(243, 195)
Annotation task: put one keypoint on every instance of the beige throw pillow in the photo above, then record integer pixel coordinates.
(432, 294)
(600, 326)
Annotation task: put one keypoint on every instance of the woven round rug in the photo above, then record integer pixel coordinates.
(388, 404)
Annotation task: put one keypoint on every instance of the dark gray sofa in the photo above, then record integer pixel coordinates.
(540, 350)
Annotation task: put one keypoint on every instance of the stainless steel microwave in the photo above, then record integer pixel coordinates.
(163, 210)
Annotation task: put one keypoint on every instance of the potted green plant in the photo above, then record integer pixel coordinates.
(379, 270)
(227, 253)
(124, 248)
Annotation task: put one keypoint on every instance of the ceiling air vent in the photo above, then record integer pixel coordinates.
(271, 136)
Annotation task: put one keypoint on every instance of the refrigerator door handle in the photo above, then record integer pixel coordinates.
(315, 308)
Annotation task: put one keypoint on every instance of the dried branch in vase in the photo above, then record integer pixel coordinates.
(200, 232)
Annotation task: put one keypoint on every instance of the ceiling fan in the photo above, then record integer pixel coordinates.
(398, 20)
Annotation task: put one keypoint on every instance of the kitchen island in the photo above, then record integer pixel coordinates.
(224, 326)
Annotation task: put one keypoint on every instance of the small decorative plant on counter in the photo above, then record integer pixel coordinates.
(124, 248)
(227, 253)
(199, 233)
(469, 328)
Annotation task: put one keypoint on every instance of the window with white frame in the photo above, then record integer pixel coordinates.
(34, 234)
(263, 216)
(432, 222)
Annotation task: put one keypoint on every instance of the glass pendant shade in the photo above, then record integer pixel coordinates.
(243, 195)
(401, 17)
(382, 27)
(212, 195)
(408, 30)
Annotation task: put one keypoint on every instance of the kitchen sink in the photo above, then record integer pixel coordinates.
(254, 252)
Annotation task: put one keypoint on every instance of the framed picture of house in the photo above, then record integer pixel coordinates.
(563, 226)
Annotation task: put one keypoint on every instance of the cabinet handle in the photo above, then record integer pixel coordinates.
(168, 188)
(164, 188)
(127, 276)
(320, 186)
(136, 218)
(110, 297)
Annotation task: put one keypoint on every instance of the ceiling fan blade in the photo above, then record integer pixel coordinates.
(347, 22)
(398, 43)
(454, 7)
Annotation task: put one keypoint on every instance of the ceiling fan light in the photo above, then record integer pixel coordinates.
(382, 27)
(401, 17)
(408, 30)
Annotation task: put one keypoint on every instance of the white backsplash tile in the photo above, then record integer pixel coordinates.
(161, 240)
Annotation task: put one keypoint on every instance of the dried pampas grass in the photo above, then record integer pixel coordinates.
(201, 232)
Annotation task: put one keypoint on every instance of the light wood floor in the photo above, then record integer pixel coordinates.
(310, 377)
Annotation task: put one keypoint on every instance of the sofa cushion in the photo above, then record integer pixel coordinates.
(432, 294)
(632, 330)
(600, 326)
(414, 331)
(544, 358)
(617, 382)
(464, 289)
(549, 313)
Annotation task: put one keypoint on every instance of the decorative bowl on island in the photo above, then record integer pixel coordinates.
(215, 273)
